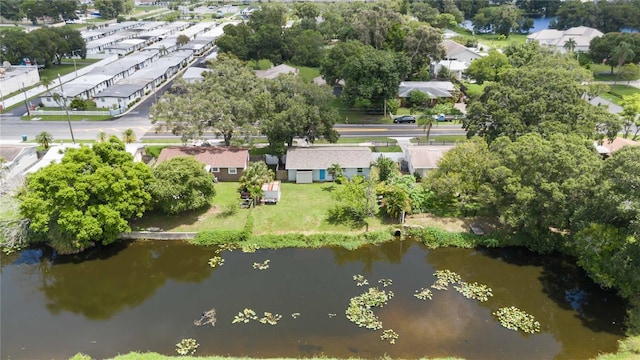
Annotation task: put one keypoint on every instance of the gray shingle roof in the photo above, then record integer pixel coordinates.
(323, 157)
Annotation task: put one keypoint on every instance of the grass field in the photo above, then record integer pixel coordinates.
(307, 73)
(64, 117)
(616, 92)
(491, 40)
(438, 139)
(9, 207)
(284, 217)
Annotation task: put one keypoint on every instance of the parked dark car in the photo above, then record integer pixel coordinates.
(405, 119)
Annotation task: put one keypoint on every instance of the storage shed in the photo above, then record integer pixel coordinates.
(271, 192)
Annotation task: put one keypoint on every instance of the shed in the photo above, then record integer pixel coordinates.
(271, 192)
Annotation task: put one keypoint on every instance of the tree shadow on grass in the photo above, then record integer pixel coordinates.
(329, 188)
(159, 220)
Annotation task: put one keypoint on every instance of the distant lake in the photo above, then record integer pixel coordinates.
(540, 23)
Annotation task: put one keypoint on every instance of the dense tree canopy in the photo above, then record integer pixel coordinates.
(373, 76)
(46, 10)
(603, 49)
(222, 101)
(87, 198)
(44, 46)
(607, 16)
(488, 68)
(182, 184)
(110, 9)
(290, 108)
(504, 20)
(521, 103)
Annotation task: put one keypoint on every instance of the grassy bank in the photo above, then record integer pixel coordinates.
(156, 356)
(285, 217)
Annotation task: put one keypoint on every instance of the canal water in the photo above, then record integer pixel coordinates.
(145, 296)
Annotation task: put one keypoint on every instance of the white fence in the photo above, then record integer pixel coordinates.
(77, 112)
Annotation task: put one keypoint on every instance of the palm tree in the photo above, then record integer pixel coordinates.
(426, 121)
(570, 44)
(102, 136)
(335, 170)
(44, 139)
(46, 82)
(163, 50)
(622, 53)
(129, 136)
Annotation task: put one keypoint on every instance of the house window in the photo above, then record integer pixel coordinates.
(102, 100)
(214, 169)
(233, 171)
(359, 170)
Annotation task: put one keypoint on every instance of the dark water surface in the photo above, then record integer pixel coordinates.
(144, 296)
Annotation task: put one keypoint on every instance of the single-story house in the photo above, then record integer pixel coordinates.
(225, 163)
(125, 92)
(422, 159)
(125, 47)
(18, 158)
(193, 74)
(309, 164)
(556, 39)
(456, 51)
(434, 89)
(607, 148)
(456, 68)
(276, 71)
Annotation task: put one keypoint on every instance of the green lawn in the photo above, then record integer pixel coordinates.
(616, 92)
(263, 64)
(71, 117)
(438, 139)
(356, 140)
(492, 40)
(9, 207)
(474, 90)
(307, 73)
(54, 70)
(284, 217)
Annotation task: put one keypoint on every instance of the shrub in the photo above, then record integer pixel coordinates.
(218, 237)
(434, 238)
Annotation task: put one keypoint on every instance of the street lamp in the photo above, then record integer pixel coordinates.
(73, 56)
(66, 108)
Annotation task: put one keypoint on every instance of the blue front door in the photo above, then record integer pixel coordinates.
(322, 175)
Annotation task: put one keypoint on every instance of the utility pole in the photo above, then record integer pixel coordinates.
(66, 108)
(26, 100)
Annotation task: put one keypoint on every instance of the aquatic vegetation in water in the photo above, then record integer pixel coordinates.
(269, 318)
(216, 261)
(207, 318)
(250, 248)
(360, 280)
(227, 247)
(295, 315)
(423, 294)
(187, 347)
(261, 266)
(390, 335)
(385, 282)
(245, 316)
(474, 291)
(444, 278)
(359, 310)
(515, 319)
